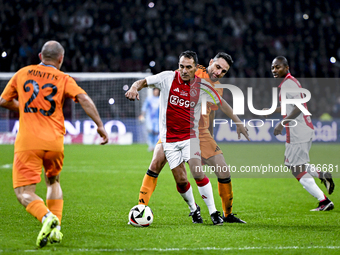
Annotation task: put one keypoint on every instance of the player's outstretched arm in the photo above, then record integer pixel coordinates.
(240, 129)
(279, 126)
(11, 105)
(91, 110)
(132, 93)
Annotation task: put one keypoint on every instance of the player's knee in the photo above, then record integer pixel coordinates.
(182, 183)
(296, 170)
(156, 166)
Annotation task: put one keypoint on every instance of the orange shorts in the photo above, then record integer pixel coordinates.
(208, 145)
(27, 166)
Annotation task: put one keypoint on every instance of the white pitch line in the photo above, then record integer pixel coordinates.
(188, 249)
(6, 166)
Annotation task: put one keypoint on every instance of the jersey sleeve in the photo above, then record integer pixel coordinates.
(72, 89)
(156, 81)
(10, 91)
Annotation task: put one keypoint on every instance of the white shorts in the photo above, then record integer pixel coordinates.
(181, 151)
(297, 154)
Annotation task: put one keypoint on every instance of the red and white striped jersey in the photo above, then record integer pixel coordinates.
(304, 130)
(180, 105)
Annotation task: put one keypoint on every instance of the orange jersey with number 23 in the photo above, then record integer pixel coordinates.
(41, 91)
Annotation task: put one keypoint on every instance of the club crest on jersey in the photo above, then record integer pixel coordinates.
(193, 92)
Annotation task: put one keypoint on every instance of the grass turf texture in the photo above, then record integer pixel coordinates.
(101, 184)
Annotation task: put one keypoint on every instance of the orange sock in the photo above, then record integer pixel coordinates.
(56, 207)
(226, 193)
(37, 208)
(148, 186)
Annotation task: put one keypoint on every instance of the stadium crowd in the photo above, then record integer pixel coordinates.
(122, 36)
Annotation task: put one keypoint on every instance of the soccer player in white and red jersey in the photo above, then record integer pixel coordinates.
(212, 155)
(180, 106)
(299, 139)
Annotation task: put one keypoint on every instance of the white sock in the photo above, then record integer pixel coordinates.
(58, 227)
(313, 171)
(45, 216)
(309, 184)
(208, 197)
(188, 197)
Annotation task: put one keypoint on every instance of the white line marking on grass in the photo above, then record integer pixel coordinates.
(6, 166)
(188, 249)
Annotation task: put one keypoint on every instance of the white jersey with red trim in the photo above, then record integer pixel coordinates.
(304, 130)
(180, 105)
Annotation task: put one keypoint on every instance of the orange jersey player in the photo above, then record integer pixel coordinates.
(212, 155)
(38, 92)
(208, 145)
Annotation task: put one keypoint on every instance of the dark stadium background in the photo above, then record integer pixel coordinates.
(126, 36)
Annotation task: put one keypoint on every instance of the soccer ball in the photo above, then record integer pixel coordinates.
(140, 216)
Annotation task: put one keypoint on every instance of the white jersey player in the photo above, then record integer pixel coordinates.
(180, 106)
(299, 136)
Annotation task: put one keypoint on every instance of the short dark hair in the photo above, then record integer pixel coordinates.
(225, 56)
(191, 55)
(283, 60)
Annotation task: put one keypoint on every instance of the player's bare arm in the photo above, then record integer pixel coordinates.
(132, 93)
(279, 126)
(240, 129)
(91, 110)
(11, 105)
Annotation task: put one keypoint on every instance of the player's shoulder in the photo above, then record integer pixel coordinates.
(201, 70)
(291, 82)
(27, 68)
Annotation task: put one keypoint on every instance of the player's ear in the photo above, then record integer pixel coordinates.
(210, 62)
(61, 59)
(40, 56)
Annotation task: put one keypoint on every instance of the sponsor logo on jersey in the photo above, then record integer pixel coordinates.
(197, 153)
(175, 100)
(217, 148)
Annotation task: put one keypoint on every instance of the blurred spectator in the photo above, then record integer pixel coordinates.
(121, 36)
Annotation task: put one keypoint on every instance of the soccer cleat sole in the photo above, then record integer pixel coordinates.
(42, 239)
(55, 236)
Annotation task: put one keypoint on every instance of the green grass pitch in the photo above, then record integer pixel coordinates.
(101, 184)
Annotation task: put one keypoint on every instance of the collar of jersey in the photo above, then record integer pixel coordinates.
(41, 63)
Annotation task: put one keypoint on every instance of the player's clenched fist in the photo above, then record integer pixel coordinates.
(132, 94)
